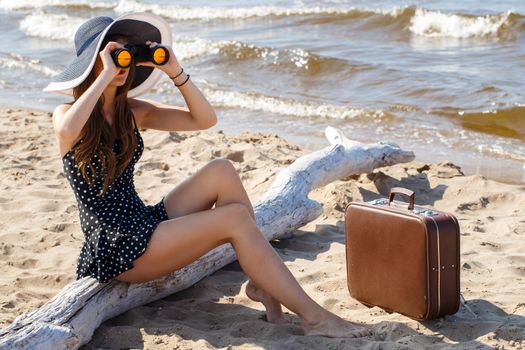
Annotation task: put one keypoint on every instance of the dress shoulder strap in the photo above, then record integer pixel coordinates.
(134, 121)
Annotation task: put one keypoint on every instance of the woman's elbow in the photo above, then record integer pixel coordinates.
(212, 120)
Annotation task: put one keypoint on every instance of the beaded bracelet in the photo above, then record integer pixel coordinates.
(181, 70)
(184, 82)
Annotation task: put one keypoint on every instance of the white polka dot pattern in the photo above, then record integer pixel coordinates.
(118, 225)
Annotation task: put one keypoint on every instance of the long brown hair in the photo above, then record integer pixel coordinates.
(99, 138)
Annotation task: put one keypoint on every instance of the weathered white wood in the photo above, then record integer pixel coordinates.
(69, 319)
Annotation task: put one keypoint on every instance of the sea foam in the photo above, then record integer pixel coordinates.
(277, 105)
(51, 26)
(31, 4)
(438, 24)
(15, 61)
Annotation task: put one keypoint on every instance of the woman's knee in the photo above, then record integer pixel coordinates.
(239, 217)
(238, 211)
(224, 168)
(222, 164)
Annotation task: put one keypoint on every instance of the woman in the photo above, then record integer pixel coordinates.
(99, 141)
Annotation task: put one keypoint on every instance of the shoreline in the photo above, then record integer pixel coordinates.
(40, 239)
(503, 170)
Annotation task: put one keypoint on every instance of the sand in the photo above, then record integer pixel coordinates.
(40, 238)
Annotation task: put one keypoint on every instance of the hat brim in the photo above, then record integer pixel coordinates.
(140, 27)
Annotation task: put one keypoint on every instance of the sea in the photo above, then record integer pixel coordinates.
(441, 78)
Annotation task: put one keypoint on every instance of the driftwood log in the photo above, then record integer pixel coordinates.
(69, 319)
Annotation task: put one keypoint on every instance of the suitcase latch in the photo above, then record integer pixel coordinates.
(424, 212)
(417, 211)
(380, 201)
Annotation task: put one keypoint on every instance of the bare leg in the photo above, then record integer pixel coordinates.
(215, 183)
(178, 242)
(274, 311)
(219, 183)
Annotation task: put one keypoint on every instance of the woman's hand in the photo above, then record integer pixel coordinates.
(171, 68)
(109, 66)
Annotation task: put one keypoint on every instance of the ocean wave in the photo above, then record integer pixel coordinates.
(438, 24)
(417, 21)
(15, 5)
(15, 61)
(501, 152)
(508, 122)
(45, 26)
(213, 13)
(199, 13)
(259, 102)
(290, 59)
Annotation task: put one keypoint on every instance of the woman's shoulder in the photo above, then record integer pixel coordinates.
(137, 103)
(59, 111)
(64, 106)
(139, 108)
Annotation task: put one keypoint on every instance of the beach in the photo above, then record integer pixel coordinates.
(440, 77)
(40, 238)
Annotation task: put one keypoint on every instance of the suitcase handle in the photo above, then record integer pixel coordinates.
(406, 192)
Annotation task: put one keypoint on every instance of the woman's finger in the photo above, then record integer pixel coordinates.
(111, 45)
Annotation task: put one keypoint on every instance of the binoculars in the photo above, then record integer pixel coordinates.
(140, 53)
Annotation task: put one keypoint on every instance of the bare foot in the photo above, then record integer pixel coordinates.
(274, 313)
(334, 326)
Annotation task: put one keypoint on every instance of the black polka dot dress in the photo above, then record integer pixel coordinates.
(118, 225)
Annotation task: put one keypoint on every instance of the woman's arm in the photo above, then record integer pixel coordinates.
(199, 114)
(69, 122)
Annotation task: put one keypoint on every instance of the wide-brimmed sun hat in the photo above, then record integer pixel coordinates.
(138, 27)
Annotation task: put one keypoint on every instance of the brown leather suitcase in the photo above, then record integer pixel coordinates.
(403, 258)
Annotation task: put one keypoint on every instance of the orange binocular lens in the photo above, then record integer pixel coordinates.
(122, 58)
(160, 55)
